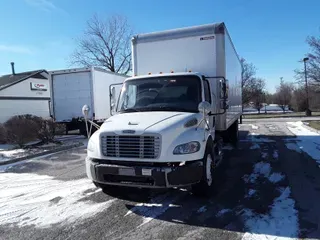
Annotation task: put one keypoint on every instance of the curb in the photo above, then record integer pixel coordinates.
(63, 148)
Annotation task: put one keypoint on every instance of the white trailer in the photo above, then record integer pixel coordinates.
(173, 114)
(72, 88)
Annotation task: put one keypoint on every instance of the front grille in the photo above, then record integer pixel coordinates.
(126, 146)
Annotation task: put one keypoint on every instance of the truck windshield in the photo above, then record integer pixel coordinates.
(176, 93)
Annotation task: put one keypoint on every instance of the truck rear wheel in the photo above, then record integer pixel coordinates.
(205, 186)
(234, 133)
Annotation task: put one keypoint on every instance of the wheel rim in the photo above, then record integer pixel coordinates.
(209, 169)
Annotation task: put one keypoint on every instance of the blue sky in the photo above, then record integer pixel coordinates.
(269, 33)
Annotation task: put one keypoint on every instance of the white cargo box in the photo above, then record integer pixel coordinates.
(73, 88)
(206, 49)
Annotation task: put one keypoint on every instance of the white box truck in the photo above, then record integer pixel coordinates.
(173, 114)
(72, 88)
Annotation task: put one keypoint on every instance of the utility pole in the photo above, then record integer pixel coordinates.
(308, 111)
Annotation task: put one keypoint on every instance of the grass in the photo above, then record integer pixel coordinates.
(278, 115)
(314, 124)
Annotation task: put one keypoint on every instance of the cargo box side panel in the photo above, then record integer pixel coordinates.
(193, 53)
(233, 75)
(101, 91)
(70, 92)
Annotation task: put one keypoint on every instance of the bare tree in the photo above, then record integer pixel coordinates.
(257, 93)
(105, 43)
(248, 74)
(283, 95)
(313, 64)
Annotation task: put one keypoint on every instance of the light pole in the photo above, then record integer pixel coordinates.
(308, 111)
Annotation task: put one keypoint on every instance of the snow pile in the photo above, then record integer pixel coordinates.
(39, 200)
(280, 223)
(9, 154)
(306, 140)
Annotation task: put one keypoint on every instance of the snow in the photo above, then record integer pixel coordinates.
(275, 154)
(263, 169)
(155, 207)
(39, 200)
(9, 154)
(254, 126)
(280, 223)
(222, 212)
(260, 168)
(306, 140)
(276, 177)
(202, 209)
(251, 192)
(255, 146)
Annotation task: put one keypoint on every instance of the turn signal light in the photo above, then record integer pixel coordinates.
(149, 73)
(172, 71)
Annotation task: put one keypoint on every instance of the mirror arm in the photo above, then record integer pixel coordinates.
(215, 114)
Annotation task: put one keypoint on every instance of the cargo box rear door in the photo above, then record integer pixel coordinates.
(70, 92)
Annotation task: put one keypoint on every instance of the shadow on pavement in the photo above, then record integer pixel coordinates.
(230, 208)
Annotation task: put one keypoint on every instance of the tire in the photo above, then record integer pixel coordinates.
(205, 186)
(234, 133)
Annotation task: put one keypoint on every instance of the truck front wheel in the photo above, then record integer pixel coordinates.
(204, 187)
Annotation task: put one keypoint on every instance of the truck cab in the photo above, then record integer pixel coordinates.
(162, 135)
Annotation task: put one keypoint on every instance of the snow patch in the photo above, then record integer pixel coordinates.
(222, 212)
(254, 126)
(260, 168)
(255, 146)
(40, 200)
(306, 140)
(251, 192)
(280, 223)
(276, 177)
(155, 208)
(275, 154)
(264, 155)
(202, 209)
(9, 154)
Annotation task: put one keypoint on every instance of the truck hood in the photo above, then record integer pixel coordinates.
(143, 121)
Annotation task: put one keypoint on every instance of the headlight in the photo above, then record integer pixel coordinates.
(91, 145)
(187, 148)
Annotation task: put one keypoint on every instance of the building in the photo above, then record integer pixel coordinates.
(24, 93)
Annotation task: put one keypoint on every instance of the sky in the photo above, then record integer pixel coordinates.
(271, 34)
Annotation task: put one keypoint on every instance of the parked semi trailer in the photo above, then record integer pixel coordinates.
(173, 115)
(72, 88)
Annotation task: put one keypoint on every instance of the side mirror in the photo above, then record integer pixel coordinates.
(113, 97)
(204, 107)
(85, 111)
(224, 89)
(224, 104)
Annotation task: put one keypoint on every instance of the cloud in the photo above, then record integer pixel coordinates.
(15, 49)
(44, 5)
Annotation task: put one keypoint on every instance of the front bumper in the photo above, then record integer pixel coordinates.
(144, 175)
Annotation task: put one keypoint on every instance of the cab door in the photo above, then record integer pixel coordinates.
(208, 98)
